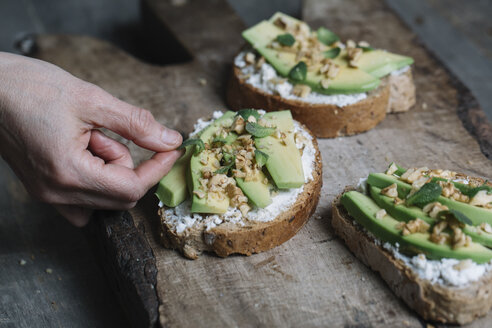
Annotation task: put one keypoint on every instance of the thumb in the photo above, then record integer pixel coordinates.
(133, 123)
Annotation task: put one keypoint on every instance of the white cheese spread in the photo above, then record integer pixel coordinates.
(181, 218)
(267, 79)
(448, 272)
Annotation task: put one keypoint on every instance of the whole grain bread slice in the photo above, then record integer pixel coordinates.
(433, 302)
(396, 93)
(252, 237)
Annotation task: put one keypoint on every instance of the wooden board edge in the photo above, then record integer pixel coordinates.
(128, 263)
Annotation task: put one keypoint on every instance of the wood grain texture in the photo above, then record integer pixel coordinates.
(312, 280)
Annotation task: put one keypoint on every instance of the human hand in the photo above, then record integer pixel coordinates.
(48, 135)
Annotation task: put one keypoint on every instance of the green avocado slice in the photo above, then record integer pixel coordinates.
(284, 159)
(407, 213)
(380, 63)
(172, 189)
(476, 214)
(194, 173)
(363, 209)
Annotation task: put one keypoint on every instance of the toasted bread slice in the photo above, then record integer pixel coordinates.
(396, 93)
(247, 237)
(433, 302)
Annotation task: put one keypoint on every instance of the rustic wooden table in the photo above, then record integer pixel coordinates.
(312, 279)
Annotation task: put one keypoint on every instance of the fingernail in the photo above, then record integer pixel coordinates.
(171, 137)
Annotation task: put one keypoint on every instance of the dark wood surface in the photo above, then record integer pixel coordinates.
(134, 283)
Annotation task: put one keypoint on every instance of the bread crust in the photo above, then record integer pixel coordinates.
(433, 302)
(253, 237)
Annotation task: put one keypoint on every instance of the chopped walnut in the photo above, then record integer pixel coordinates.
(413, 226)
(238, 125)
(206, 173)
(448, 188)
(249, 58)
(200, 194)
(301, 90)
(437, 236)
(485, 227)
(350, 43)
(482, 198)
(390, 191)
(433, 209)
(413, 174)
(391, 169)
(260, 62)
(380, 214)
(458, 196)
(417, 184)
(398, 201)
(460, 239)
(354, 54)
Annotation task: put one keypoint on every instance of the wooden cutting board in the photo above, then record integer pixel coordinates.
(312, 280)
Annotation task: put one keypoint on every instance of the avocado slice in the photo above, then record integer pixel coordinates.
(284, 162)
(348, 81)
(476, 214)
(407, 213)
(257, 192)
(207, 204)
(379, 63)
(171, 190)
(363, 209)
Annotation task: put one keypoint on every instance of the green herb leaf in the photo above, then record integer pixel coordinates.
(286, 39)
(298, 72)
(365, 49)
(457, 215)
(261, 157)
(332, 53)
(427, 194)
(198, 143)
(259, 131)
(229, 161)
(326, 36)
(246, 113)
(224, 169)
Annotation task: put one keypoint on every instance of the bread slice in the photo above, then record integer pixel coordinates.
(252, 237)
(396, 93)
(433, 302)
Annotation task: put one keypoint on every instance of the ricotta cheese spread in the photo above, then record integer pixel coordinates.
(450, 272)
(181, 218)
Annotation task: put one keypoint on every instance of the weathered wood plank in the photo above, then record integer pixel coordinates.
(312, 280)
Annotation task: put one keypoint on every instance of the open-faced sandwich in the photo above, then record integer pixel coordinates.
(428, 234)
(247, 182)
(334, 88)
